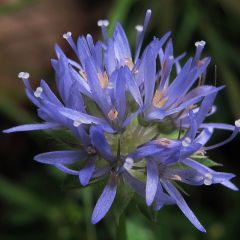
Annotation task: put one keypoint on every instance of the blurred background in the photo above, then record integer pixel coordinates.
(34, 200)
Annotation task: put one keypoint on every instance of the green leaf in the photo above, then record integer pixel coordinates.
(205, 161)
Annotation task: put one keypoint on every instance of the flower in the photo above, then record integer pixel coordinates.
(119, 107)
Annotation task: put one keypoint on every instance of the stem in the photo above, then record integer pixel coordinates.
(121, 230)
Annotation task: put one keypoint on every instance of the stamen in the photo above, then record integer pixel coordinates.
(129, 63)
(139, 28)
(112, 115)
(200, 43)
(67, 35)
(103, 24)
(208, 179)
(158, 100)
(176, 178)
(199, 48)
(142, 33)
(83, 74)
(103, 79)
(77, 123)
(23, 75)
(237, 123)
(91, 150)
(232, 136)
(38, 92)
(186, 142)
(128, 164)
(163, 142)
(201, 152)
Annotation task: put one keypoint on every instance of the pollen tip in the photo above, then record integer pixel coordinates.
(186, 142)
(24, 75)
(128, 163)
(149, 11)
(200, 43)
(139, 28)
(208, 179)
(237, 123)
(67, 35)
(38, 92)
(103, 23)
(77, 123)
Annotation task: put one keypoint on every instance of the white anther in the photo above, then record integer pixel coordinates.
(237, 123)
(67, 35)
(208, 179)
(23, 75)
(38, 92)
(103, 23)
(77, 123)
(186, 142)
(171, 57)
(128, 163)
(200, 43)
(139, 28)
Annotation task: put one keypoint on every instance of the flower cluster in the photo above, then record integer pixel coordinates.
(139, 120)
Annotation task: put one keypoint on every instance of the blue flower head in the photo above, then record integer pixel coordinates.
(118, 106)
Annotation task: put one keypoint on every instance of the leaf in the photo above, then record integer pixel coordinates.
(205, 161)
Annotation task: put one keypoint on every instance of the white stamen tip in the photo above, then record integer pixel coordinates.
(128, 163)
(23, 75)
(77, 123)
(139, 28)
(103, 23)
(149, 11)
(200, 43)
(67, 35)
(237, 123)
(186, 142)
(208, 179)
(171, 57)
(38, 92)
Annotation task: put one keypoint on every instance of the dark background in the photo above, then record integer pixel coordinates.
(33, 201)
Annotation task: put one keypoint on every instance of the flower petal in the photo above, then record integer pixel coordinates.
(152, 181)
(105, 200)
(85, 174)
(63, 157)
(33, 127)
(175, 194)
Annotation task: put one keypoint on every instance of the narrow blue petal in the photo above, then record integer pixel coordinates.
(110, 58)
(79, 116)
(85, 174)
(161, 198)
(133, 87)
(192, 101)
(230, 185)
(33, 127)
(175, 194)
(149, 76)
(119, 92)
(100, 143)
(121, 45)
(65, 169)
(49, 94)
(204, 136)
(105, 200)
(98, 94)
(62, 157)
(152, 181)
